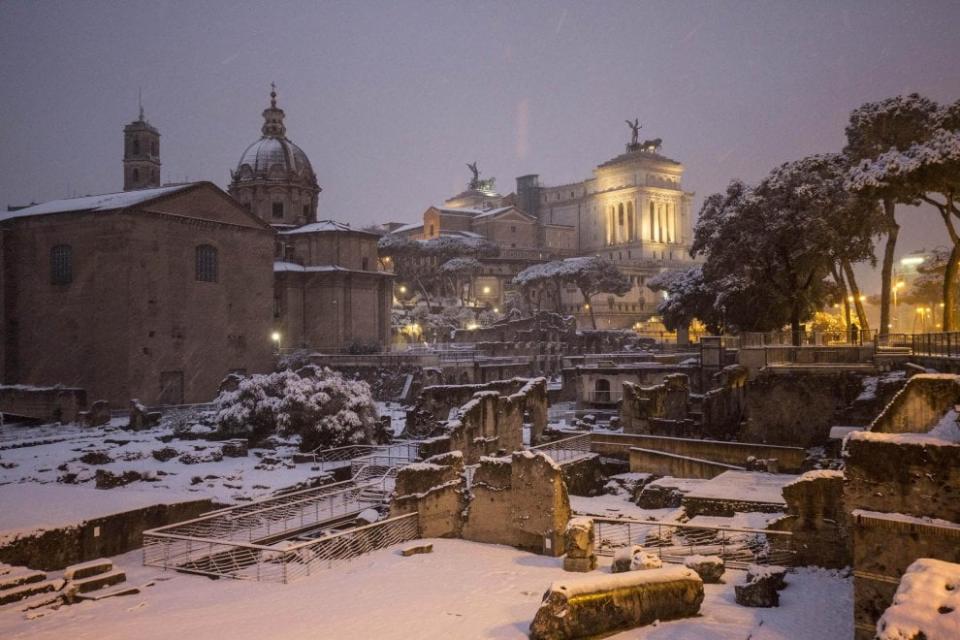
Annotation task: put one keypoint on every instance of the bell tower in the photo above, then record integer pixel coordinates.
(141, 155)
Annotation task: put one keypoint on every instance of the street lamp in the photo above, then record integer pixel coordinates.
(275, 337)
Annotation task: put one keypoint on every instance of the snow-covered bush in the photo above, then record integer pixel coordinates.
(324, 409)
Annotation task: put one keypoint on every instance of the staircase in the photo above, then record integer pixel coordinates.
(27, 589)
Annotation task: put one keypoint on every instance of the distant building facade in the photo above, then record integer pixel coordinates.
(155, 294)
(330, 293)
(633, 211)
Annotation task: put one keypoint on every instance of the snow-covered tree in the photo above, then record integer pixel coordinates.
(323, 408)
(459, 270)
(927, 171)
(775, 239)
(590, 274)
(873, 129)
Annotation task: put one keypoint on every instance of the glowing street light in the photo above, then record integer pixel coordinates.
(275, 338)
(403, 289)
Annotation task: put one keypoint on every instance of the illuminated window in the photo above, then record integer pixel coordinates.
(206, 263)
(61, 264)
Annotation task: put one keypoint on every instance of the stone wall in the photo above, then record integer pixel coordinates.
(797, 408)
(50, 404)
(489, 423)
(723, 407)
(519, 501)
(677, 466)
(920, 404)
(892, 474)
(817, 516)
(884, 545)
(102, 537)
(790, 459)
(666, 401)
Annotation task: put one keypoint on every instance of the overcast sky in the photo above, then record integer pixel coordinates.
(390, 100)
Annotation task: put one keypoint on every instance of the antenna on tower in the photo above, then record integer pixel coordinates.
(140, 100)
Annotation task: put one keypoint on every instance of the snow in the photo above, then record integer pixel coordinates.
(922, 521)
(28, 508)
(608, 506)
(744, 486)
(103, 202)
(34, 454)
(461, 590)
(280, 265)
(324, 225)
(739, 520)
(588, 584)
(815, 474)
(946, 432)
(927, 603)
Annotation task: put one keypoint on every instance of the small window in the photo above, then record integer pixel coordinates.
(430, 232)
(306, 210)
(136, 147)
(513, 229)
(61, 264)
(277, 209)
(365, 263)
(136, 175)
(206, 263)
(155, 150)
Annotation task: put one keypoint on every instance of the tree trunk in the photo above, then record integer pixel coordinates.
(950, 291)
(795, 337)
(886, 272)
(837, 273)
(855, 292)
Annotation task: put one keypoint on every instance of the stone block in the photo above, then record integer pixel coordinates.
(603, 603)
(709, 568)
(416, 550)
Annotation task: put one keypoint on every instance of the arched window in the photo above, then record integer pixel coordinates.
(601, 390)
(61, 264)
(206, 263)
(136, 174)
(136, 146)
(277, 209)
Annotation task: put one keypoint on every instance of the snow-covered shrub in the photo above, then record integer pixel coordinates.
(324, 409)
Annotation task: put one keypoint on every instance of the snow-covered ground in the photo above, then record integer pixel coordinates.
(50, 455)
(461, 590)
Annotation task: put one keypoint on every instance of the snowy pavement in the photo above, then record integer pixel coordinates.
(461, 590)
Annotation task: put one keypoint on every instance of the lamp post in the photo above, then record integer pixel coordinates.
(275, 338)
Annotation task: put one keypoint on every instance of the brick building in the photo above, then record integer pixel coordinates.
(153, 294)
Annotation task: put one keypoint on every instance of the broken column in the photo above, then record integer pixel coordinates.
(579, 546)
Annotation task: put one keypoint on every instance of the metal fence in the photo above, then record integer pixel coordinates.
(944, 345)
(567, 449)
(284, 561)
(674, 542)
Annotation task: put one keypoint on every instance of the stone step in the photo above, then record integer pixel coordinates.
(16, 579)
(87, 569)
(26, 590)
(126, 590)
(99, 581)
(41, 600)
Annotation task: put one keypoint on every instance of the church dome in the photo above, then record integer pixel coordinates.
(275, 158)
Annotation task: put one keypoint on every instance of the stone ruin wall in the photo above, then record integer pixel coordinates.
(642, 407)
(919, 404)
(489, 422)
(797, 408)
(901, 491)
(520, 501)
(723, 406)
(818, 518)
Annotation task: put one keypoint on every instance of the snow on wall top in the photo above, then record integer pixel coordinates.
(325, 225)
(103, 202)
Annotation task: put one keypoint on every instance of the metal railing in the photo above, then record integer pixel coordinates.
(944, 345)
(567, 449)
(344, 456)
(280, 562)
(674, 542)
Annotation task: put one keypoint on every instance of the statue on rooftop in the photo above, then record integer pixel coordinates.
(635, 127)
(475, 182)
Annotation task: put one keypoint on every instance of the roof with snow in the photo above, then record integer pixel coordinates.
(103, 202)
(292, 267)
(408, 227)
(326, 226)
